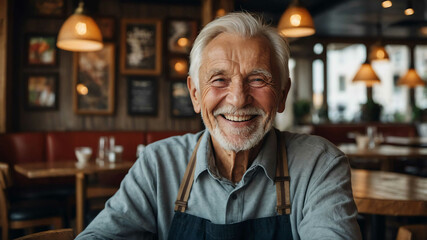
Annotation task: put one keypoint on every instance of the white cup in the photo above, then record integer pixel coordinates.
(362, 141)
(83, 154)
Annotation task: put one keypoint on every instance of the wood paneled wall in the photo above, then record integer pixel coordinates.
(3, 50)
(64, 118)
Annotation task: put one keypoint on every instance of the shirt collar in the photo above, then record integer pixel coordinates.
(266, 158)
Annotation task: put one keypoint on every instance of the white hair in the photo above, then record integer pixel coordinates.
(244, 25)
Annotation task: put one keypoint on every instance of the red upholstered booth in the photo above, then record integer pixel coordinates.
(23, 148)
(61, 145)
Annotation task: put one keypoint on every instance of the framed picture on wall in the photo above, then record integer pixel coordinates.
(181, 105)
(93, 87)
(41, 50)
(181, 35)
(107, 25)
(141, 46)
(46, 8)
(178, 67)
(41, 91)
(142, 96)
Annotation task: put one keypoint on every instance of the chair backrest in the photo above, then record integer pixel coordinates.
(412, 232)
(5, 181)
(5, 177)
(59, 234)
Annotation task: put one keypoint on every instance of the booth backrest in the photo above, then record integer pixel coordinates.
(61, 145)
(23, 148)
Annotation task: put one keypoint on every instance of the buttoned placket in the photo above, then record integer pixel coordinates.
(235, 200)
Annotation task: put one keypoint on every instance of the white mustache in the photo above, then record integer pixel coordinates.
(238, 111)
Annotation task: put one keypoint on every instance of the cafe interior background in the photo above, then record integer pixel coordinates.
(358, 64)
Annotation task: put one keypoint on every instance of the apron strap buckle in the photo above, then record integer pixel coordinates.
(286, 207)
(180, 205)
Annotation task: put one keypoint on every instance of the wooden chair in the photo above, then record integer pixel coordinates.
(412, 232)
(59, 234)
(19, 214)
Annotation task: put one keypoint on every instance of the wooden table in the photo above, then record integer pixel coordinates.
(406, 141)
(71, 168)
(381, 194)
(386, 153)
(388, 193)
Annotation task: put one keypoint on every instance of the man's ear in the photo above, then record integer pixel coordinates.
(283, 95)
(194, 94)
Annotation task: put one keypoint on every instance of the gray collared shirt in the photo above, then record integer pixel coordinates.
(321, 197)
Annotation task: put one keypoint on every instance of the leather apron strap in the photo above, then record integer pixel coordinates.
(187, 181)
(282, 179)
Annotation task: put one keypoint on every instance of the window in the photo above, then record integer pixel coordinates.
(421, 68)
(392, 97)
(318, 83)
(344, 97)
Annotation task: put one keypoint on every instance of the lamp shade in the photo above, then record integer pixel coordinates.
(411, 79)
(378, 53)
(80, 33)
(296, 21)
(367, 75)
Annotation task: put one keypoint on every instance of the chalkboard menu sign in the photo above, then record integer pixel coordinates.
(181, 105)
(142, 96)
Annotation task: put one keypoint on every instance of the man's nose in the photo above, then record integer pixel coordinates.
(239, 95)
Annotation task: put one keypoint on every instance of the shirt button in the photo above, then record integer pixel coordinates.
(233, 196)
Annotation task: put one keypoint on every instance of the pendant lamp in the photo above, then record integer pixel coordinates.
(367, 75)
(80, 33)
(386, 4)
(378, 53)
(296, 21)
(409, 10)
(411, 79)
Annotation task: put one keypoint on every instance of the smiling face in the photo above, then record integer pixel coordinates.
(239, 91)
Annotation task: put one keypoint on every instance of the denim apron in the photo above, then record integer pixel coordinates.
(189, 227)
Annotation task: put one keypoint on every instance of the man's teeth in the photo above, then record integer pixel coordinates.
(238, 118)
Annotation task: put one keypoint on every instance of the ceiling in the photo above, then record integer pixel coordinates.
(341, 18)
(351, 18)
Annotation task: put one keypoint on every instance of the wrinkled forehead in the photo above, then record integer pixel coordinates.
(228, 46)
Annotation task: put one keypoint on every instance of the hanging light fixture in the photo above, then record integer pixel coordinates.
(378, 52)
(367, 75)
(80, 33)
(409, 10)
(296, 21)
(386, 4)
(411, 79)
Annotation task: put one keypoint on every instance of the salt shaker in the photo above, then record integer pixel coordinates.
(111, 152)
(102, 149)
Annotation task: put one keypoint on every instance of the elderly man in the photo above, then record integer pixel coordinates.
(240, 178)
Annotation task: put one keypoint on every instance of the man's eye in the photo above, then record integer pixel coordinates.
(257, 82)
(219, 82)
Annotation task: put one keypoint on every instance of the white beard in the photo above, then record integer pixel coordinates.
(247, 137)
